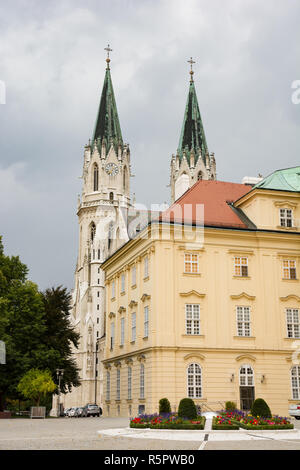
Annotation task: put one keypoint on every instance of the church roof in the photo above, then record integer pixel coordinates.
(192, 133)
(287, 179)
(217, 198)
(107, 123)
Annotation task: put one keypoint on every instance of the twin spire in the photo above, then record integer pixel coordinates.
(108, 130)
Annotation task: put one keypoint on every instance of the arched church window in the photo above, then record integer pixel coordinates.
(96, 177)
(93, 231)
(200, 175)
(111, 196)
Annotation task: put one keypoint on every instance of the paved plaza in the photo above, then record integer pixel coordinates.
(114, 434)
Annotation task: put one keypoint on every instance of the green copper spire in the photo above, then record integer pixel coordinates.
(107, 124)
(192, 133)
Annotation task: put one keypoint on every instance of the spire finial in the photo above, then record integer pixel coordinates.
(191, 61)
(108, 49)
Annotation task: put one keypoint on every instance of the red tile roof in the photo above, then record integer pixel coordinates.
(215, 196)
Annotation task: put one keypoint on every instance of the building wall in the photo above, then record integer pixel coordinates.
(218, 349)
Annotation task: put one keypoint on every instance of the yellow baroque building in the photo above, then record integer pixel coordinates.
(204, 302)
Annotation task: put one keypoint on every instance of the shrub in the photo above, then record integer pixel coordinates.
(230, 406)
(260, 408)
(164, 406)
(187, 409)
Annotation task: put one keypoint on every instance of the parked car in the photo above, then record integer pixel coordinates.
(73, 412)
(294, 410)
(91, 410)
(66, 411)
(79, 411)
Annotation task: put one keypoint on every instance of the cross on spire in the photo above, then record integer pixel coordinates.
(108, 49)
(191, 61)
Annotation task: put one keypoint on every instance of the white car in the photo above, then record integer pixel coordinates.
(294, 410)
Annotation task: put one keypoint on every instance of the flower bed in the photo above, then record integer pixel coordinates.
(167, 421)
(224, 423)
(247, 421)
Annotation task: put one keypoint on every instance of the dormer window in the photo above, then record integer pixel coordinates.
(286, 217)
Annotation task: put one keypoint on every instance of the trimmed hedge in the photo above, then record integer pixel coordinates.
(260, 408)
(224, 427)
(180, 426)
(265, 427)
(187, 409)
(139, 425)
(164, 406)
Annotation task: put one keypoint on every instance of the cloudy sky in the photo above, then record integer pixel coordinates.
(52, 61)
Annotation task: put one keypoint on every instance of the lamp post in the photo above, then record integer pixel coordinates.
(59, 374)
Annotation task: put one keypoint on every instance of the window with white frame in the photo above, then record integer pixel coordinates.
(295, 379)
(107, 385)
(146, 322)
(146, 266)
(122, 336)
(286, 217)
(113, 290)
(192, 319)
(118, 388)
(133, 326)
(246, 376)
(289, 269)
(191, 264)
(292, 322)
(112, 335)
(122, 282)
(133, 276)
(142, 381)
(243, 321)
(241, 266)
(194, 381)
(129, 383)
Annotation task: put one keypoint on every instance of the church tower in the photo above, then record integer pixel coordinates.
(102, 213)
(192, 161)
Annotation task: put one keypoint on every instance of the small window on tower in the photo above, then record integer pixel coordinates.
(111, 196)
(93, 231)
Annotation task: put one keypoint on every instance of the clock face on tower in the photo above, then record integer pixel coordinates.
(111, 169)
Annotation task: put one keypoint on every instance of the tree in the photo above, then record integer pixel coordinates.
(22, 326)
(35, 384)
(35, 328)
(60, 336)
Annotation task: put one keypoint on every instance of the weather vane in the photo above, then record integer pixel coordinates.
(191, 61)
(108, 49)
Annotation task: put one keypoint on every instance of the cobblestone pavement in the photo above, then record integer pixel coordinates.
(75, 434)
(81, 434)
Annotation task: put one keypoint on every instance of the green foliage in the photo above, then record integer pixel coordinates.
(35, 384)
(260, 408)
(230, 406)
(35, 328)
(164, 406)
(187, 409)
(60, 335)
